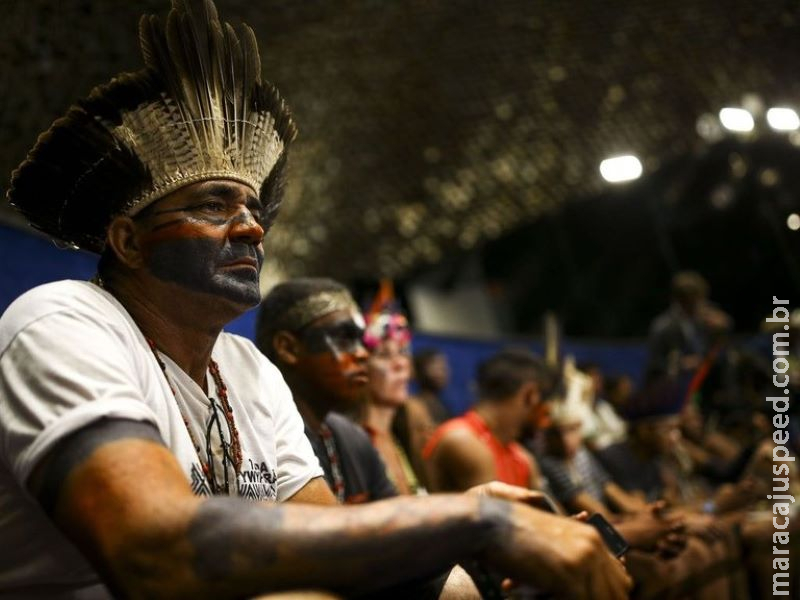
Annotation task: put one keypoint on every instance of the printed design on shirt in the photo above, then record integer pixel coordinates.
(257, 481)
(199, 482)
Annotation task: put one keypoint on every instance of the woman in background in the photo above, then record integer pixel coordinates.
(397, 424)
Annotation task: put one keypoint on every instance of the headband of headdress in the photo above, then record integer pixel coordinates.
(199, 110)
(384, 319)
(315, 306)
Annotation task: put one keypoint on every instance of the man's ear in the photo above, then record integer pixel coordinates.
(123, 239)
(530, 392)
(287, 347)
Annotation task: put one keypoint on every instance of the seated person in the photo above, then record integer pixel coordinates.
(481, 445)
(577, 480)
(652, 462)
(312, 330)
(602, 426)
(397, 424)
(146, 453)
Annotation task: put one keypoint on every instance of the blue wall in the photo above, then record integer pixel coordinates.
(614, 358)
(30, 260)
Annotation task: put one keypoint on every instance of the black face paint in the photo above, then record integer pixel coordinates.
(199, 264)
(344, 337)
(210, 245)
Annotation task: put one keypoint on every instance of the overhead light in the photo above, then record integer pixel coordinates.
(621, 168)
(736, 119)
(783, 119)
(793, 221)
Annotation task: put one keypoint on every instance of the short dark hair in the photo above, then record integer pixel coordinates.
(276, 305)
(688, 285)
(424, 356)
(501, 375)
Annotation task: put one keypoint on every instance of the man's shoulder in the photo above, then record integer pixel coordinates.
(455, 436)
(238, 350)
(56, 294)
(71, 297)
(665, 321)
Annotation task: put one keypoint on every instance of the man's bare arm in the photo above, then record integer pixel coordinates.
(126, 504)
(461, 462)
(315, 491)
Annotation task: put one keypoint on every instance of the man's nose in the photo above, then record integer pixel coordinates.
(246, 228)
(361, 353)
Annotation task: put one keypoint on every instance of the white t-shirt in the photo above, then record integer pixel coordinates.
(71, 354)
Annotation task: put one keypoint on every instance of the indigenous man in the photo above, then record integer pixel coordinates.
(312, 330)
(122, 397)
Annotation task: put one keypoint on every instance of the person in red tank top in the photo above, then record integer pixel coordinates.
(480, 446)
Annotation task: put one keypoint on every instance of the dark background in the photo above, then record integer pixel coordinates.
(444, 141)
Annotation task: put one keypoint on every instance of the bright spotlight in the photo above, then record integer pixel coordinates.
(783, 119)
(736, 119)
(793, 221)
(621, 168)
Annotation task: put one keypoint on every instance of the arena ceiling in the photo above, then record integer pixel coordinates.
(430, 127)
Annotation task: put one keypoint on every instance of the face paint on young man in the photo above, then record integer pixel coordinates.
(334, 358)
(209, 242)
(340, 338)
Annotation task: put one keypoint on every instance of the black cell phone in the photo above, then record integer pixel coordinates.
(615, 542)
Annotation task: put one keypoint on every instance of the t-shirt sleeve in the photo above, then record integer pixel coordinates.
(297, 463)
(59, 374)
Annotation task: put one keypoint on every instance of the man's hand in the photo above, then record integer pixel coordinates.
(556, 554)
(654, 530)
(706, 527)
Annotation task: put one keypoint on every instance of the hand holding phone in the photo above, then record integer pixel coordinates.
(615, 542)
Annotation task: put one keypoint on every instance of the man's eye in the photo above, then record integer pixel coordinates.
(210, 206)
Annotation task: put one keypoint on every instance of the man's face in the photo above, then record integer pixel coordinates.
(659, 434)
(206, 237)
(332, 358)
(565, 439)
(436, 371)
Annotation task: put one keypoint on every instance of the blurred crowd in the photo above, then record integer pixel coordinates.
(681, 465)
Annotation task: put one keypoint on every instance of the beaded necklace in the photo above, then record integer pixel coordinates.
(333, 458)
(233, 447)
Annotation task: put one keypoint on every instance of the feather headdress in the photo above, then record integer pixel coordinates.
(384, 320)
(199, 110)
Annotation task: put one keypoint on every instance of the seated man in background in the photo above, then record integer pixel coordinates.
(311, 329)
(577, 480)
(603, 426)
(653, 464)
(482, 445)
(143, 451)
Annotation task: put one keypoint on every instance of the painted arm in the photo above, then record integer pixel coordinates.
(121, 497)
